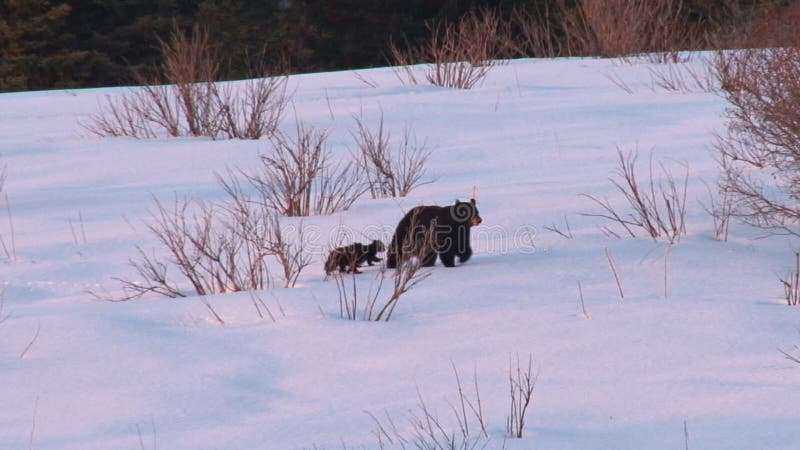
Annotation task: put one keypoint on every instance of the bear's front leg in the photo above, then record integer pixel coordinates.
(465, 255)
(448, 259)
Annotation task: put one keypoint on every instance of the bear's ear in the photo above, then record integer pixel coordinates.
(472, 200)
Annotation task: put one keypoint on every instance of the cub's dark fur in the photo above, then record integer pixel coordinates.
(351, 257)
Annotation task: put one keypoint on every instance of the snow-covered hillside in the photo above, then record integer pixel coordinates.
(690, 357)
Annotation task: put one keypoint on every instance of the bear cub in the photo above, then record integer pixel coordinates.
(350, 258)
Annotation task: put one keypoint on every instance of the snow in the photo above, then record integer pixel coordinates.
(689, 357)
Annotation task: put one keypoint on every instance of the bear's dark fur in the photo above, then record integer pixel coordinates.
(351, 257)
(443, 230)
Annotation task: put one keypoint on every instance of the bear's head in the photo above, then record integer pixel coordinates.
(466, 212)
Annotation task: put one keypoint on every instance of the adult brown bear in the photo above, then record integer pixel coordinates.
(428, 231)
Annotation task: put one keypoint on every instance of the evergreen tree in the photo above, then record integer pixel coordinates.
(123, 34)
(34, 46)
(246, 33)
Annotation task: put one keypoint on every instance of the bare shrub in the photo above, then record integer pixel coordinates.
(658, 209)
(466, 430)
(10, 246)
(760, 150)
(791, 357)
(191, 66)
(391, 170)
(684, 77)
(374, 305)
(260, 224)
(184, 98)
(627, 27)
(457, 55)
(537, 30)
(566, 232)
(298, 178)
(773, 25)
(613, 266)
(791, 283)
(253, 108)
(124, 116)
(289, 254)
(208, 252)
(215, 248)
(521, 383)
(720, 209)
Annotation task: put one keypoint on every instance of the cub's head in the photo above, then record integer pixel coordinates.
(466, 212)
(377, 246)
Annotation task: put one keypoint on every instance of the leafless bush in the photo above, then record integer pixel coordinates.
(253, 108)
(684, 77)
(207, 251)
(566, 232)
(659, 208)
(760, 152)
(374, 305)
(627, 27)
(791, 283)
(298, 178)
(289, 254)
(613, 266)
(391, 170)
(772, 25)
(255, 221)
(720, 210)
(191, 66)
(184, 97)
(215, 248)
(3, 316)
(10, 246)
(458, 55)
(521, 383)
(791, 357)
(125, 116)
(466, 430)
(537, 31)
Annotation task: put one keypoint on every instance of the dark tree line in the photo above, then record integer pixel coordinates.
(83, 43)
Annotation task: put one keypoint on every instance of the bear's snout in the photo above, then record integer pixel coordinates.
(476, 220)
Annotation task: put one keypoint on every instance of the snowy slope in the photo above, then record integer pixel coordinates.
(696, 363)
